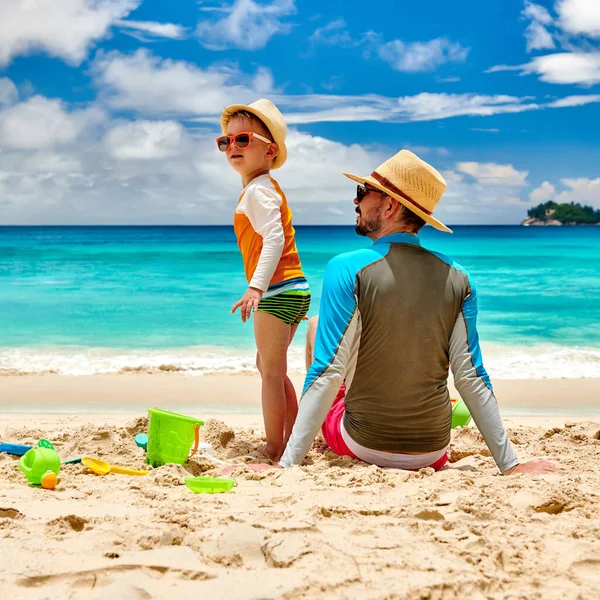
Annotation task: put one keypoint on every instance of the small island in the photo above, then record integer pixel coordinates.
(553, 214)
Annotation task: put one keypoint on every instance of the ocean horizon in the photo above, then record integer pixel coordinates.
(105, 299)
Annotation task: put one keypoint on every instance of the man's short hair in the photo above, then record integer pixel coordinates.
(245, 114)
(412, 221)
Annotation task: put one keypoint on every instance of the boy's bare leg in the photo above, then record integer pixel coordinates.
(273, 337)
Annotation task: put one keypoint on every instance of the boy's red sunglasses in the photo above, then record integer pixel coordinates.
(241, 140)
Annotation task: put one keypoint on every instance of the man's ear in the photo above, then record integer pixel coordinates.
(272, 151)
(392, 208)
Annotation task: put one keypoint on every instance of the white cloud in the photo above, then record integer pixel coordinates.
(538, 37)
(493, 174)
(154, 86)
(580, 17)
(422, 56)
(334, 33)
(62, 28)
(161, 88)
(536, 12)
(536, 34)
(582, 190)
(492, 130)
(8, 91)
(570, 101)
(421, 107)
(42, 123)
(50, 162)
(247, 25)
(452, 176)
(145, 140)
(263, 82)
(582, 68)
(494, 196)
(448, 79)
(108, 177)
(543, 193)
(162, 30)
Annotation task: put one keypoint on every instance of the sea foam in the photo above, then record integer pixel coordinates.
(502, 362)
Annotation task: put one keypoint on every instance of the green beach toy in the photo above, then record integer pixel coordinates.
(41, 466)
(209, 485)
(170, 437)
(461, 416)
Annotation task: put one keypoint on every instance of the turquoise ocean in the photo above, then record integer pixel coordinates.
(81, 300)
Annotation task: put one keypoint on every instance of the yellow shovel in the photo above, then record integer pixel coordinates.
(103, 468)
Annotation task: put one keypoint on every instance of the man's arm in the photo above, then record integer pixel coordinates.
(473, 384)
(336, 349)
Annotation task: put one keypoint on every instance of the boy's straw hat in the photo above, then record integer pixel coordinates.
(269, 114)
(411, 181)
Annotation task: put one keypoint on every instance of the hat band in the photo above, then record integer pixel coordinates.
(388, 184)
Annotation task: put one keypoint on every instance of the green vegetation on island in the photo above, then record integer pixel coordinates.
(551, 213)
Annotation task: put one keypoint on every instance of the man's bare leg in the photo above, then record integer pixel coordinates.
(311, 335)
(291, 400)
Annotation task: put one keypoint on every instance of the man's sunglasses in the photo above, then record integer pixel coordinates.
(363, 190)
(240, 140)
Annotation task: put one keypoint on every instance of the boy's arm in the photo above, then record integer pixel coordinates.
(474, 386)
(336, 350)
(262, 206)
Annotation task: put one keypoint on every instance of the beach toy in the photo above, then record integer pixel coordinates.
(41, 467)
(44, 443)
(103, 468)
(209, 485)
(461, 416)
(73, 461)
(14, 449)
(141, 441)
(170, 437)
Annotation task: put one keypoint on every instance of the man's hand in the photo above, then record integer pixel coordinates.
(534, 467)
(247, 303)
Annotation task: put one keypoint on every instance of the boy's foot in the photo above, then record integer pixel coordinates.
(269, 452)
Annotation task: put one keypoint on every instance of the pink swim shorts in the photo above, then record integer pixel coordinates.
(333, 436)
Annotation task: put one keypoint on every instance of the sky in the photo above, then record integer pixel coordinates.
(109, 109)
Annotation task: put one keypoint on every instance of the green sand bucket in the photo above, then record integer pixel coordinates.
(461, 416)
(170, 437)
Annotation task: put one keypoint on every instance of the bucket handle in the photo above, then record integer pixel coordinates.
(196, 440)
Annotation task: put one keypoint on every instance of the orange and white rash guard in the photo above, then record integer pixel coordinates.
(266, 237)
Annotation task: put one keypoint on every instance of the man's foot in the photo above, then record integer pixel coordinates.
(268, 451)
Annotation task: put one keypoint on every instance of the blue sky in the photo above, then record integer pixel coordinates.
(109, 108)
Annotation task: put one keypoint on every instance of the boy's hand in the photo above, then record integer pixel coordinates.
(247, 303)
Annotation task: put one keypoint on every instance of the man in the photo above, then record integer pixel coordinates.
(393, 318)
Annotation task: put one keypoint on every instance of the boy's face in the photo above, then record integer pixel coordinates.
(258, 156)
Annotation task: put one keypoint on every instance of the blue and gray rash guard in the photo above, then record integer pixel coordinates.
(393, 318)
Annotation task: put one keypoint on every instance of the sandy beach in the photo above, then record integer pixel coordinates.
(333, 528)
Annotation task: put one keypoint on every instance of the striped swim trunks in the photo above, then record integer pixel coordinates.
(289, 301)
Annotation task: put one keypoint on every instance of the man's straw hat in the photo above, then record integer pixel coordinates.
(411, 181)
(269, 114)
